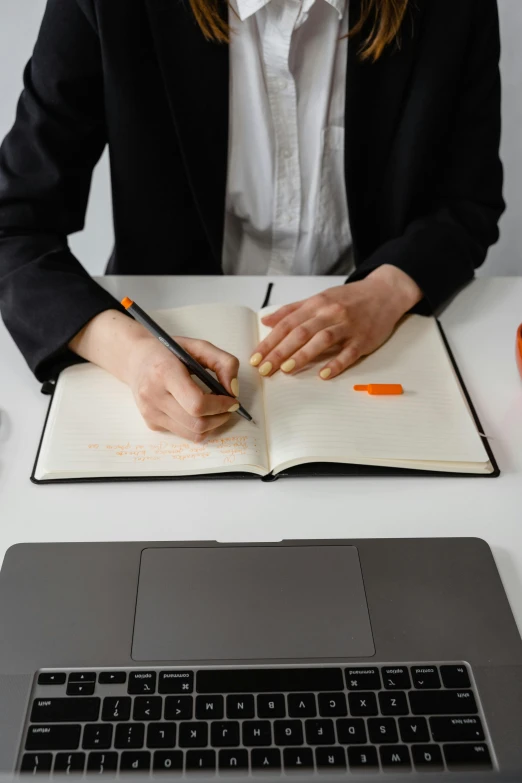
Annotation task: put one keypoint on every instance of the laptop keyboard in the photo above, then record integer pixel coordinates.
(380, 718)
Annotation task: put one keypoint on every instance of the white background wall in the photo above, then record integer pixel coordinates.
(19, 22)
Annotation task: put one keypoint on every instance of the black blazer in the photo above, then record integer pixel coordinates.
(423, 176)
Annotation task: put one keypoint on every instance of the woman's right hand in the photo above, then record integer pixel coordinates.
(167, 396)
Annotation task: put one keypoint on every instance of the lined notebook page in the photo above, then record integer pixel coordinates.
(429, 426)
(95, 429)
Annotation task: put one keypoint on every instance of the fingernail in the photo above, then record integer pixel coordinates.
(234, 408)
(265, 368)
(234, 385)
(325, 373)
(288, 366)
(255, 359)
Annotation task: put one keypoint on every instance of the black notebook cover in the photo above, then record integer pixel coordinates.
(319, 469)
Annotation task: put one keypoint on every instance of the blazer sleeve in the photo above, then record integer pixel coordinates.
(441, 250)
(46, 164)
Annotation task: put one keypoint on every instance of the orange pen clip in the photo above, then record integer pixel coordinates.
(381, 388)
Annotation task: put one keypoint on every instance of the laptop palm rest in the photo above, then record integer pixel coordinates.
(251, 603)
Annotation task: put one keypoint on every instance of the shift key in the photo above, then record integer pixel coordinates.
(443, 703)
(70, 710)
(53, 737)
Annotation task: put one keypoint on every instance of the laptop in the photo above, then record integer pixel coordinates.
(301, 657)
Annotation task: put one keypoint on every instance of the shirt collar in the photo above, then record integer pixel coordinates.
(246, 8)
(339, 5)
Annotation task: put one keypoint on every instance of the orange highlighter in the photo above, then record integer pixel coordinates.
(380, 388)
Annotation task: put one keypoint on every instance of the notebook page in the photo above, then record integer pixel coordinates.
(96, 430)
(310, 420)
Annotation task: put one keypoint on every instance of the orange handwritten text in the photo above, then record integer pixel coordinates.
(225, 449)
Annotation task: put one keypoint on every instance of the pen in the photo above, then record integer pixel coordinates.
(193, 366)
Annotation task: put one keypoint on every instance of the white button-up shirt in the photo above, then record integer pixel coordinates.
(286, 210)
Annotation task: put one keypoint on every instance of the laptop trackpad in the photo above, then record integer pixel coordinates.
(251, 603)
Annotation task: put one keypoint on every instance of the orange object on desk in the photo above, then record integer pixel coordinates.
(380, 388)
(518, 349)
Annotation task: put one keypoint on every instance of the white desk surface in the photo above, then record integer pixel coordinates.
(480, 324)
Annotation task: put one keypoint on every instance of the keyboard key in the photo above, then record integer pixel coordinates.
(363, 758)
(268, 759)
(298, 758)
(51, 678)
(80, 688)
(97, 736)
(395, 757)
(209, 707)
(53, 737)
(302, 705)
(455, 676)
(362, 704)
(201, 759)
(271, 705)
(33, 763)
(425, 677)
(168, 761)
(161, 735)
(135, 761)
(288, 732)
(129, 735)
(269, 680)
(471, 756)
(332, 705)
(176, 682)
(224, 734)
(351, 732)
(427, 757)
(82, 677)
(178, 708)
(363, 679)
(142, 682)
(112, 678)
(147, 708)
(100, 763)
(116, 708)
(414, 730)
(233, 760)
(193, 735)
(56, 710)
(458, 729)
(396, 677)
(320, 732)
(443, 703)
(330, 758)
(393, 703)
(241, 707)
(257, 732)
(69, 762)
(382, 730)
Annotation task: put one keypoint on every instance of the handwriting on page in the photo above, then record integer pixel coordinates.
(229, 447)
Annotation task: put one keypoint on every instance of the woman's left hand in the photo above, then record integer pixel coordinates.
(349, 320)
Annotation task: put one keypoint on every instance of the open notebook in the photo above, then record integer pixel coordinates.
(303, 425)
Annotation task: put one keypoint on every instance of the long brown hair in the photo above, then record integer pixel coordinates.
(379, 22)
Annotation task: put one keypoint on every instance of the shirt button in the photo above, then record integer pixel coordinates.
(282, 84)
(287, 152)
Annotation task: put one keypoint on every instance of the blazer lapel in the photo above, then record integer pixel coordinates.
(375, 95)
(196, 76)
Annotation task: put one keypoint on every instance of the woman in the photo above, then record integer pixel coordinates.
(241, 137)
